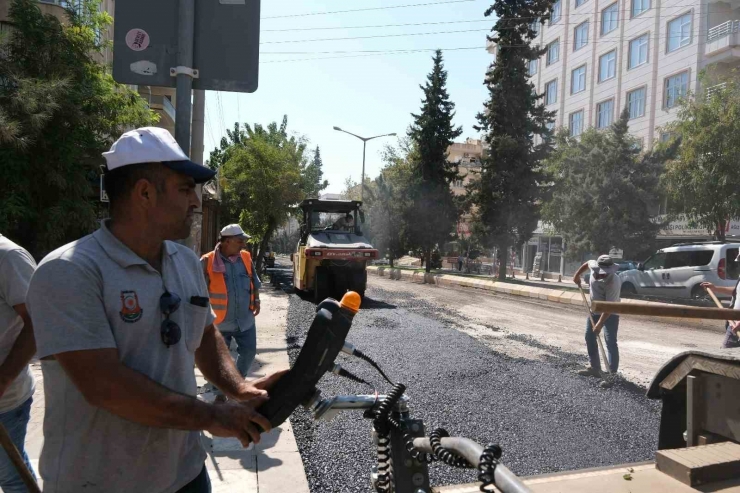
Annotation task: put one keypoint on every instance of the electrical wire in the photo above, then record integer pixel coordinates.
(367, 9)
(377, 26)
(373, 36)
(377, 53)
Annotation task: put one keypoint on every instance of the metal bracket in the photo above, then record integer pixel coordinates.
(180, 69)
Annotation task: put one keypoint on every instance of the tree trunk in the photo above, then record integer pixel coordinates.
(503, 255)
(428, 259)
(719, 234)
(264, 243)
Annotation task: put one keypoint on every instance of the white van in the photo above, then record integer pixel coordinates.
(678, 271)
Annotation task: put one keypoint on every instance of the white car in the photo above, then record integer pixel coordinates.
(679, 270)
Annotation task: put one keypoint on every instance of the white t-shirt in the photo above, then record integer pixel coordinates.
(16, 269)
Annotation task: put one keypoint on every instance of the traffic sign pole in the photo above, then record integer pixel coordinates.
(184, 72)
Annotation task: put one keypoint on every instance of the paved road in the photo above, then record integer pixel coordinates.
(497, 385)
(533, 329)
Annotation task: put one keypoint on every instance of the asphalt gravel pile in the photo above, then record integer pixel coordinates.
(545, 418)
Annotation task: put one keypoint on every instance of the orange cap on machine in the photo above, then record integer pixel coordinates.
(351, 301)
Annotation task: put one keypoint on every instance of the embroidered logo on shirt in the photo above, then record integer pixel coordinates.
(130, 310)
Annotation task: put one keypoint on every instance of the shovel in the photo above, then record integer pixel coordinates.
(598, 336)
(17, 460)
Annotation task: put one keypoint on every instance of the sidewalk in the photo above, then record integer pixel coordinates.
(273, 466)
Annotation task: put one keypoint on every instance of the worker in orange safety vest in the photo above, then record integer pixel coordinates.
(233, 287)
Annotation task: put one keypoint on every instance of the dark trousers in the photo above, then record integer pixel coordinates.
(610, 334)
(201, 484)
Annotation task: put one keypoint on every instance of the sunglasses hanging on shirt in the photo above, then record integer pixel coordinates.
(169, 330)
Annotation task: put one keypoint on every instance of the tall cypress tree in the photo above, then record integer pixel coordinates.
(432, 216)
(512, 183)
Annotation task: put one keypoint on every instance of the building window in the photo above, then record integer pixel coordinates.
(555, 15)
(580, 36)
(550, 125)
(609, 18)
(679, 32)
(639, 51)
(676, 87)
(553, 52)
(535, 26)
(579, 3)
(604, 113)
(636, 103)
(532, 67)
(608, 66)
(639, 6)
(578, 80)
(551, 92)
(665, 136)
(576, 123)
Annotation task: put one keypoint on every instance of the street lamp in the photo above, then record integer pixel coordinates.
(364, 143)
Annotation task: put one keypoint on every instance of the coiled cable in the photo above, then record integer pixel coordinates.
(487, 467)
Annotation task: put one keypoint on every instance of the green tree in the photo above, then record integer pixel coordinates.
(703, 181)
(511, 185)
(431, 217)
(59, 110)
(313, 176)
(262, 181)
(604, 191)
(388, 195)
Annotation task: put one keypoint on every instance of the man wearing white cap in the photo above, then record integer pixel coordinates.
(605, 285)
(121, 317)
(233, 287)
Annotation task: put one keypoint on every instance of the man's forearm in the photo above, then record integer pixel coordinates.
(20, 354)
(216, 364)
(131, 395)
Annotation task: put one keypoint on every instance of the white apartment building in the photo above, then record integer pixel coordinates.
(603, 55)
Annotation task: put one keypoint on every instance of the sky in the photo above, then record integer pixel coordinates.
(367, 94)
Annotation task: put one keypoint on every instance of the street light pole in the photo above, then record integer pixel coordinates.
(362, 179)
(364, 145)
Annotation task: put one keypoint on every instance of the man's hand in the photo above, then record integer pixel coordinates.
(259, 387)
(256, 310)
(597, 328)
(577, 280)
(734, 325)
(708, 285)
(238, 419)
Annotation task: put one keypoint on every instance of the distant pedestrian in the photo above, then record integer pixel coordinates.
(732, 328)
(17, 347)
(605, 285)
(460, 260)
(233, 285)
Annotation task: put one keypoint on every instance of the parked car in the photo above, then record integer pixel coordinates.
(679, 270)
(624, 265)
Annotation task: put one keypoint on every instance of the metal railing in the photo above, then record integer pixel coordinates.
(724, 29)
(711, 91)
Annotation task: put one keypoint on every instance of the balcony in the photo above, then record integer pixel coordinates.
(724, 38)
(715, 89)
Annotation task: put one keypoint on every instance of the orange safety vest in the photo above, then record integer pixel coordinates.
(217, 286)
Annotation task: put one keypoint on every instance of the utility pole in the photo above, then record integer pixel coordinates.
(184, 72)
(199, 111)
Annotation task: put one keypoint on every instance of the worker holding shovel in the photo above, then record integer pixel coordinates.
(731, 326)
(605, 285)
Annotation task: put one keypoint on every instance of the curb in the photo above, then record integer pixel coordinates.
(558, 296)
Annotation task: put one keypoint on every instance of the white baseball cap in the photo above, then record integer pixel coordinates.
(154, 145)
(234, 230)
